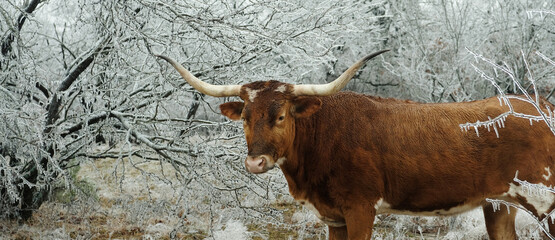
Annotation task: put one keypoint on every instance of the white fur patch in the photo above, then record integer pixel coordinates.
(378, 204)
(311, 207)
(281, 89)
(280, 161)
(326, 220)
(252, 94)
(384, 207)
(548, 176)
(540, 200)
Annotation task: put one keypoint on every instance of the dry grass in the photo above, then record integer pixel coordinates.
(109, 205)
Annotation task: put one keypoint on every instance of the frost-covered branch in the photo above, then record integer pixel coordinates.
(541, 12)
(6, 44)
(532, 190)
(146, 139)
(541, 223)
(547, 118)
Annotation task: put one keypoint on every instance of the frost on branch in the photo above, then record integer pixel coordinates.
(546, 116)
(534, 190)
(498, 121)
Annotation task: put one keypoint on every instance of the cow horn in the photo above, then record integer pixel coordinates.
(337, 84)
(203, 87)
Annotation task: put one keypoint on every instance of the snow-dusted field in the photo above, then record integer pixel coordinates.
(145, 203)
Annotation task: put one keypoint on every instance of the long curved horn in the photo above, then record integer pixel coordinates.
(337, 84)
(203, 87)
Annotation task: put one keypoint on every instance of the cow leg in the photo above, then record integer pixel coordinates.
(550, 223)
(337, 233)
(551, 229)
(539, 204)
(360, 221)
(500, 224)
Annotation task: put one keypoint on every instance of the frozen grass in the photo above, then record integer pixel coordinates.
(234, 229)
(143, 203)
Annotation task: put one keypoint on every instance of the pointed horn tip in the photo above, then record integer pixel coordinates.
(163, 57)
(374, 54)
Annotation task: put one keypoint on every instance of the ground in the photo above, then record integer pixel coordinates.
(105, 205)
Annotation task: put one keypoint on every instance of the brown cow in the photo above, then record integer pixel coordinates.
(349, 156)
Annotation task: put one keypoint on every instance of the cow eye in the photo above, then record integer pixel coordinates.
(281, 118)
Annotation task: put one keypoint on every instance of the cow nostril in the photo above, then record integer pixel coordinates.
(257, 164)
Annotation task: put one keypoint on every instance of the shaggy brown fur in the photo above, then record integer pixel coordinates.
(353, 156)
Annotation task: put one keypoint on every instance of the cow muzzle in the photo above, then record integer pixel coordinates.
(258, 164)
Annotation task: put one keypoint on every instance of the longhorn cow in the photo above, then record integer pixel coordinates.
(349, 156)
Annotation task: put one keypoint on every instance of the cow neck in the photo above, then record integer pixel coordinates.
(301, 167)
(311, 158)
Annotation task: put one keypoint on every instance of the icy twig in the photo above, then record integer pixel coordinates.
(545, 58)
(533, 189)
(496, 203)
(540, 12)
(547, 118)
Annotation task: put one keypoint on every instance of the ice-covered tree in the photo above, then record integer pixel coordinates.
(79, 74)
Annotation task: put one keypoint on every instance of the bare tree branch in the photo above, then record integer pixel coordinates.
(7, 41)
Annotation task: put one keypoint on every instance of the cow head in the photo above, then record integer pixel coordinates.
(269, 110)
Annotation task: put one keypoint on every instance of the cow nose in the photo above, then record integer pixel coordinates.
(256, 164)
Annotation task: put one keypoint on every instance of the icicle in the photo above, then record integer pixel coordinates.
(465, 127)
(530, 122)
(496, 132)
(496, 206)
(527, 189)
(476, 129)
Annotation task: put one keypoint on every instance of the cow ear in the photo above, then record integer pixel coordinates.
(306, 106)
(232, 110)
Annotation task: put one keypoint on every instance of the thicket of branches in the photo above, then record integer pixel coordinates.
(78, 74)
